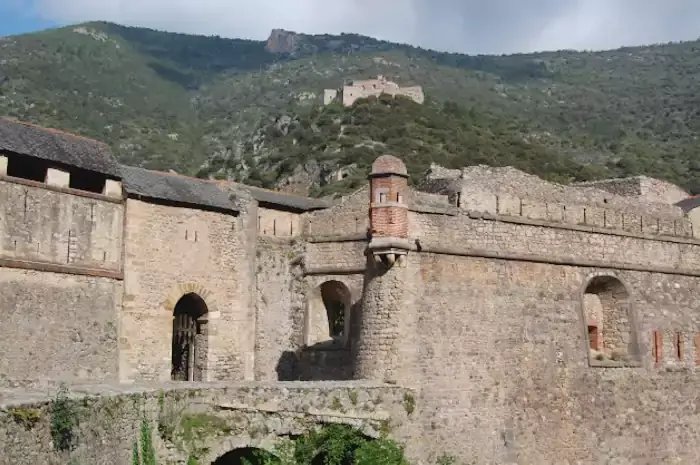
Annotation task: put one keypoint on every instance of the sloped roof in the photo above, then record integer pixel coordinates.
(175, 188)
(265, 196)
(57, 146)
(689, 204)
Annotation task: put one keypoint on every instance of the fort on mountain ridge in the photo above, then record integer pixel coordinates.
(530, 322)
(359, 89)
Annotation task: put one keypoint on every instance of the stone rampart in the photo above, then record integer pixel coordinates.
(172, 252)
(280, 309)
(277, 223)
(480, 184)
(349, 216)
(336, 255)
(504, 356)
(338, 223)
(60, 283)
(614, 219)
(57, 327)
(63, 227)
(506, 236)
(642, 187)
(203, 421)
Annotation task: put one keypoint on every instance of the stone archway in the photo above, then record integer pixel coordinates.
(328, 314)
(609, 320)
(189, 339)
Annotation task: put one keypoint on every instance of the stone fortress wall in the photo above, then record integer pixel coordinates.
(359, 89)
(537, 323)
(60, 271)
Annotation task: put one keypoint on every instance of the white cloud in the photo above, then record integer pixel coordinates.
(474, 26)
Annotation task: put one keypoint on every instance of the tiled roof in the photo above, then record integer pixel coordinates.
(57, 146)
(175, 188)
(689, 204)
(265, 196)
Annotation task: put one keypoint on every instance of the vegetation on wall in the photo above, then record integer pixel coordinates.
(27, 417)
(147, 453)
(332, 445)
(64, 421)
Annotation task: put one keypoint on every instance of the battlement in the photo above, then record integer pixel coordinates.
(510, 192)
(579, 215)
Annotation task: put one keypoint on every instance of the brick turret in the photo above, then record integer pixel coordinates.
(387, 342)
(388, 209)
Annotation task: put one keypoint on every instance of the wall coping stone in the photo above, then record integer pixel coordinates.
(581, 228)
(481, 253)
(358, 237)
(24, 396)
(58, 268)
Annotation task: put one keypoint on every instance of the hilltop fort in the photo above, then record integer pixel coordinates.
(355, 90)
(487, 313)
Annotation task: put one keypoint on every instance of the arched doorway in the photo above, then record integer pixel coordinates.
(247, 456)
(328, 313)
(189, 348)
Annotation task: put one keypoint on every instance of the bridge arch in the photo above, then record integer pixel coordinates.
(247, 456)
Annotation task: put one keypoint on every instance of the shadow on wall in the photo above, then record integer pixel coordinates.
(320, 362)
(329, 360)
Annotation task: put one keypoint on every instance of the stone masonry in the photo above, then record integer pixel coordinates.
(530, 322)
(359, 89)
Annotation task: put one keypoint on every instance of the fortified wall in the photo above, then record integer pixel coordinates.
(535, 322)
(348, 94)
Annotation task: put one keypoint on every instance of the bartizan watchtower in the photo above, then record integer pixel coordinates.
(385, 349)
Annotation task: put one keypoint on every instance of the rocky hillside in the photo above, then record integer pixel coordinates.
(200, 104)
(322, 150)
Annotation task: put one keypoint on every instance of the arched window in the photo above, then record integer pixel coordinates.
(189, 345)
(610, 326)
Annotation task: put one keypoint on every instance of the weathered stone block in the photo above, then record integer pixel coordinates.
(479, 201)
(112, 188)
(650, 225)
(555, 212)
(667, 227)
(573, 214)
(509, 205)
(684, 228)
(57, 178)
(534, 210)
(3, 165)
(595, 217)
(613, 219)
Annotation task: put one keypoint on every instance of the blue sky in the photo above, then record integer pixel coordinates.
(13, 20)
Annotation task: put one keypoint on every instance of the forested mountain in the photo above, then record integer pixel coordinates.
(251, 109)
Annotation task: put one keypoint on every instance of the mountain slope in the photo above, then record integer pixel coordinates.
(185, 102)
(322, 150)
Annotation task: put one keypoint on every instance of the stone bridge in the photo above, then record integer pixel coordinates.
(98, 424)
